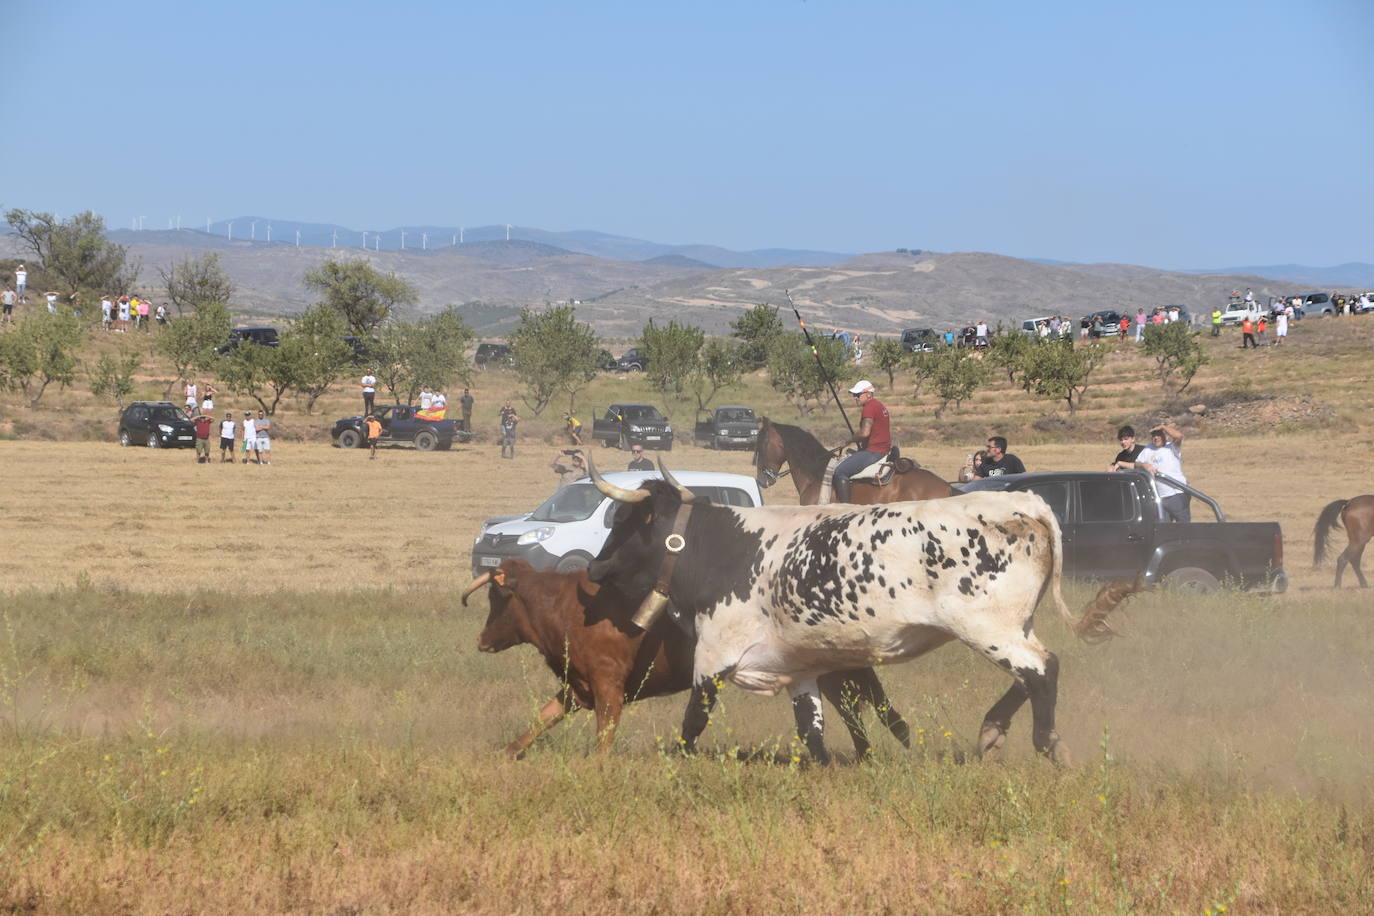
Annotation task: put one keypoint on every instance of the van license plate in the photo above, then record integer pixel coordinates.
(488, 561)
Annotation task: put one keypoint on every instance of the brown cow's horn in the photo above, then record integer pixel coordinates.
(686, 494)
(476, 584)
(619, 494)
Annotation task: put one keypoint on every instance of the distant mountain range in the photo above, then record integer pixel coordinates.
(619, 283)
(257, 229)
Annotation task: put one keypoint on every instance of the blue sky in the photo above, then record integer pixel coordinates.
(1167, 134)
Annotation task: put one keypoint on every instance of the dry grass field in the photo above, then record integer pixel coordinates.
(230, 689)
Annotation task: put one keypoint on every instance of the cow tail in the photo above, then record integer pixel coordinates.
(1092, 626)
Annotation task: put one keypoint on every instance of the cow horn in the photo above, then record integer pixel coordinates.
(476, 584)
(686, 494)
(619, 494)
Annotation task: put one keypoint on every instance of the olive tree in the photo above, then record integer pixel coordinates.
(75, 255)
(112, 375)
(670, 355)
(363, 296)
(756, 330)
(195, 282)
(1176, 350)
(554, 354)
(888, 355)
(190, 343)
(717, 367)
(39, 351)
(802, 375)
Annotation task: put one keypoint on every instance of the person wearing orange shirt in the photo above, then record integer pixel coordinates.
(1247, 330)
(374, 432)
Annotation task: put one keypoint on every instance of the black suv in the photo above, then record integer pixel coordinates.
(493, 355)
(259, 334)
(156, 424)
(633, 360)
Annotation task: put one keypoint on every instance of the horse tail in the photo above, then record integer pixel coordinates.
(1330, 518)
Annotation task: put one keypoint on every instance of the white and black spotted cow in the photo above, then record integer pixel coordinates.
(784, 594)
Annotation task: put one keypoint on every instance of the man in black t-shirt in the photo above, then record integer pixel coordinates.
(998, 462)
(1130, 450)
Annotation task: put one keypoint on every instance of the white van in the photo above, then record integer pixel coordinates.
(571, 526)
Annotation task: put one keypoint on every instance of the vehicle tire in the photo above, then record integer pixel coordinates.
(668, 446)
(1192, 579)
(634, 367)
(152, 441)
(350, 438)
(573, 562)
(445, 446)
(624, 444)
(426, 441)
(125, 439)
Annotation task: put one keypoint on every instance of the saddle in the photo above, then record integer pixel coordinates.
(879, 473)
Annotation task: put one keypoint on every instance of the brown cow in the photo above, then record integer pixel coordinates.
(603, 660)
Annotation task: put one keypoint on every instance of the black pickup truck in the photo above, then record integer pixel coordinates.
(1113, 528)
(729, 427)
(625, 425)
(399, 424)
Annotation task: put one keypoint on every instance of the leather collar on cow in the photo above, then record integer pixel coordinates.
(656, 601)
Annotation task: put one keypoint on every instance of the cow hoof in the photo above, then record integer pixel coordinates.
(1059, 751)
(990, 742)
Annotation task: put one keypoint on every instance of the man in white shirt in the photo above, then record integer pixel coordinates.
(21, 281)
(250, 436)
(980, 332)
(426, 399)
(369, 383)
(106, 307)
(192, 394)
(226, 438)
(1164, 455)
(7, 299)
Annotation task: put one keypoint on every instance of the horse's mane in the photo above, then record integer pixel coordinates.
(803, 450)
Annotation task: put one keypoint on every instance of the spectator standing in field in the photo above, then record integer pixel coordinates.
(143, 314)
(998, 462)
(573, 427)
(1247, 331)
(7, 305)
(192, 394)
(162, 315)
(980, 334)
(207, 403)
(465, 402)
(123, 314)
(250, 435)
(1260, 327)
(262, 429)
(226, 438)
(21, 281)
(203, 424)
(1130, 450)
(52, 302)
(509, 420)
(374, 432)
(569, 465)
(1165, 456)
(369, 383)
(1123, 327)
(106, 308)
(1216, 321)
(1280, 326)
(637, 461)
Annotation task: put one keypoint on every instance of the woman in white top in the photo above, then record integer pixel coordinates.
(192, 395)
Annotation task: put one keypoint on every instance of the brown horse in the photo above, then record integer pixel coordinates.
(1357, 517)
(781, 444)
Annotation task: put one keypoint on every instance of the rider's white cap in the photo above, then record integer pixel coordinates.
(861, 387)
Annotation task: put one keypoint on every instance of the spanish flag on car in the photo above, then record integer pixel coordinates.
(432, 413)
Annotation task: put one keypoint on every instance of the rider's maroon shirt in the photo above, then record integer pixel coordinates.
(880, 438)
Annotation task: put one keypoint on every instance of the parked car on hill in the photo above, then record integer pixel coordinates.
(493, 356)
(1318, 305)
(400, 424)
(1110, 323)
(156, 424)
(624, 425)
(633, 360)
(731, 426)
(262, 335)
(919, 340)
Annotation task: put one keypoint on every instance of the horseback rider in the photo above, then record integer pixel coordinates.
(874, 439)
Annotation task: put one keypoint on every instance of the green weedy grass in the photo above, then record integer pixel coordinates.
(201, 751)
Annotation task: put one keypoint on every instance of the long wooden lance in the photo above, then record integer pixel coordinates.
(819, 363)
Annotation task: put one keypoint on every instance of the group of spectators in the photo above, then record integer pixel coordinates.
(253, 434)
